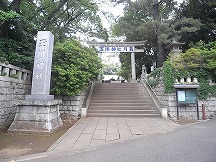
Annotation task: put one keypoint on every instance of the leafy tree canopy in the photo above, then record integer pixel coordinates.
(200, 57)
(21, 19)
(204, 10)
(154, 22)
(74, 67)
(197, 62)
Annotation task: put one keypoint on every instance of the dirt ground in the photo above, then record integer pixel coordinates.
(13, 145)
(185, 122)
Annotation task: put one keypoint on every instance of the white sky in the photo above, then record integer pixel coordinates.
(116, 11)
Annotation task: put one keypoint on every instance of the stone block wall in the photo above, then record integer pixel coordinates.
(185, 111)
(15, 83)
(71, 105)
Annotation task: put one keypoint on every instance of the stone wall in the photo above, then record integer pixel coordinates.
(188, 111)
(71, 105)
(15, 83)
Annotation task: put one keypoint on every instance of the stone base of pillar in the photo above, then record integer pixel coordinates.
(164, 113)
(142, 81)
(40, 97)
(133, 81)
(37, 117)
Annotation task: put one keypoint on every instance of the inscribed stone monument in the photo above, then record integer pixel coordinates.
(39, 113)
(42, 67)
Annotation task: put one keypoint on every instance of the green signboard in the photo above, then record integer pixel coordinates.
(186, 96)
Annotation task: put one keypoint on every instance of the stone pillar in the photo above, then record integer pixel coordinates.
(6, 70)
(42, 67)
(101, 72)
(39, 113)
(133, 68)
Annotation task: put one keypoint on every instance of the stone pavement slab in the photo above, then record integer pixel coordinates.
(94, 131)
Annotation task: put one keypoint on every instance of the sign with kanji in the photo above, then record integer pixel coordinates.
(116, 49)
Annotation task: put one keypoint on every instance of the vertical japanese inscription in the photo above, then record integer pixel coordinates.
(42, 46)
(41, 56)
(42, 63)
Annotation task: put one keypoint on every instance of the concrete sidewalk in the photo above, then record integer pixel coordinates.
(95, 131)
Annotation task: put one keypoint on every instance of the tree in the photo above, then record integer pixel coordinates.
(154, 22)
(74, 67)
(65, 18)
(125, 71)
(16, 37)
(204, 10)
(145, 20)
(200, 57)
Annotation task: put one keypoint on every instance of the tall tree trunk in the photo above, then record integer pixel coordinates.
(4, 30)
(157, 18)
(161, 54)
(15, 5)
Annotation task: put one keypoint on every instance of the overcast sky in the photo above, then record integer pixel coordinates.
(116, 11)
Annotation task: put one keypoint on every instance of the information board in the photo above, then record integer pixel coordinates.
(187, 96)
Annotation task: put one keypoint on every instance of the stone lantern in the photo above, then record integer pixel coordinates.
(175, 48)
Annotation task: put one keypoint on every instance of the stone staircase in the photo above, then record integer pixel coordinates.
(121, 100)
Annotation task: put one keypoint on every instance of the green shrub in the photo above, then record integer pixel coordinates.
(74, 67)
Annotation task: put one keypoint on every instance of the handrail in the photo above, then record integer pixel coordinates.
(154, 92)
(154, 96)
(87, 101)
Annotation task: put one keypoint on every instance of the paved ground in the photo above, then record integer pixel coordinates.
(95, 131)
(192, 143)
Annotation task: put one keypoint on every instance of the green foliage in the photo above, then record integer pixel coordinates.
(140, 22)
(205, 12)
(74, 67)
(154, 77)
(198, 62)
(168, 76)
(125, 70)
(16, 37)
(21, 19)
(203, 79)
(18, 53)
(203, 56)
(191, 59)
(65, 17)
(7, 16)
(110, 69)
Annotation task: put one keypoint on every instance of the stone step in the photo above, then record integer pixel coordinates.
(115, 92)
(123, 115)
(119, 111)
(117, 98)
(134, 108)
(129, 100)
(143, 100)
(110, 104)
